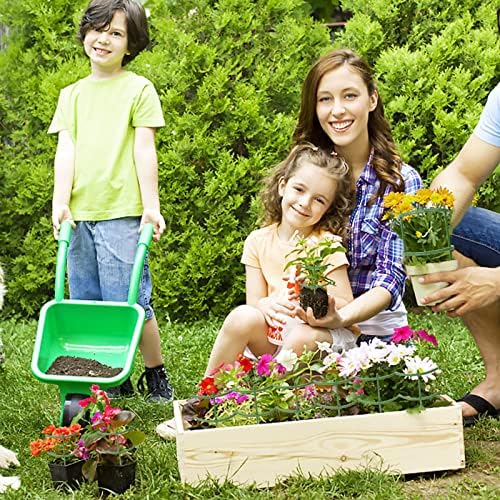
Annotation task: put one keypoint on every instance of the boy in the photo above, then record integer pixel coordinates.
(105, 171)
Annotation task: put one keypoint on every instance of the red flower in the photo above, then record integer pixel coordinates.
(245, 363)
(208, 387)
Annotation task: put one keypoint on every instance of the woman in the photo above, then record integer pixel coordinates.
(342, 112)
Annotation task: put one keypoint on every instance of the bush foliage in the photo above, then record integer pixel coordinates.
(229, 75)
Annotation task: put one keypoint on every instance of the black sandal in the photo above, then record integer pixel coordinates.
(483, 407)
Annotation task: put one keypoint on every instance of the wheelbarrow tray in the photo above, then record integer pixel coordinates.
(103, 331)
(107, 332)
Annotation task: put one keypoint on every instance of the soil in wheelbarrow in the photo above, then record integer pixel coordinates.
(81, 367)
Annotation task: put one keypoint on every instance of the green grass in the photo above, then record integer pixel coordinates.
(27, 405)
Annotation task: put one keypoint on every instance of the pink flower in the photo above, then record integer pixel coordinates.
(263, 365)
(402, 334)
(427, 337)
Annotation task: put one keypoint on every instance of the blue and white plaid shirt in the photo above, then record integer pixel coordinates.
(375, 252)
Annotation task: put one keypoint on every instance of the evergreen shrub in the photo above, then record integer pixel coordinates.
(229, 74)
(435, 63)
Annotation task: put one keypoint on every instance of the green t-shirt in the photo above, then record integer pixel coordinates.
(101, 116)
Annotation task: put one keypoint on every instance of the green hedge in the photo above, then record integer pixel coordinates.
(229, 76)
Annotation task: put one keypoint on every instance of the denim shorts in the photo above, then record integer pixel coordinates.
(100, 260)
(478, 237)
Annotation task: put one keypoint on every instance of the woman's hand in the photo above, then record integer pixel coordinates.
(332, 319)
(276, 310)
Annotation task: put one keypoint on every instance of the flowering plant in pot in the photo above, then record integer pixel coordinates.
(374, 377)
(310, 260)
(423, 221)
(108, 444)
(63, 447)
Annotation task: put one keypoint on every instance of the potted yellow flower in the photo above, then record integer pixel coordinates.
(423, 221)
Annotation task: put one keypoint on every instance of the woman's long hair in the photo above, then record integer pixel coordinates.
(386, 161)
(336, 218)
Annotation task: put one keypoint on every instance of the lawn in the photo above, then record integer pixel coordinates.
(27, 405)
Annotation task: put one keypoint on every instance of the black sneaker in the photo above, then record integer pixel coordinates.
(120, 391)
(159, 388)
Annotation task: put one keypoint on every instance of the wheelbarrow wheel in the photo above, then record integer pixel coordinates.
(71, 407)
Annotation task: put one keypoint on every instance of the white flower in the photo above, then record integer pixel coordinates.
(394, 357)
(193, 12)
(324, 347)
(416, 366)
(330, 359)
(287, 358)
(377, 350)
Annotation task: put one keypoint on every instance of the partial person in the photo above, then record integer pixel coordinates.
(106, 178)
(342, 112)
(307, 195)
(7, 457)
(474, 290)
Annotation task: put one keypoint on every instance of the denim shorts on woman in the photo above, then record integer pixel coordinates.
(100, 260)
(478, 237)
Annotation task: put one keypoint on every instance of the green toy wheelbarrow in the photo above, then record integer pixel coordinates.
(104, 331)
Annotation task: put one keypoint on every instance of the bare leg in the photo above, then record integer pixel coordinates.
(304, 337)
(484, 325)
(150, 344)
(244, 326)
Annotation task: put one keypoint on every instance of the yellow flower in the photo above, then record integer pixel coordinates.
(392, 200)
(423, 196)
(442, 197)
(418, 234)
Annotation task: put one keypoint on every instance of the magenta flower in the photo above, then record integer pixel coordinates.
(402, 334)
(280, 369)
(263, 366)
(427, 337)
(81, 451)
(405, 333)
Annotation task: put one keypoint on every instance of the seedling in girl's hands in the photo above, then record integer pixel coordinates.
(310, 263)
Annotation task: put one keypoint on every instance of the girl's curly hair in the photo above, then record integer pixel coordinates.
(336, 218)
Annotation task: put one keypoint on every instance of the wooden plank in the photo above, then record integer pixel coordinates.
(398, 442)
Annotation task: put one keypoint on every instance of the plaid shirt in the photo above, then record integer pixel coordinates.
(375, 252)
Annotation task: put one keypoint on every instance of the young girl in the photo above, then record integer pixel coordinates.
(105, 171)
(308, 194)
(341, 111)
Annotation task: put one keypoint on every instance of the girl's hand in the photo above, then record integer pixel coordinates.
(152, 216)
(276, 311)
(293, 288)
(60, 213)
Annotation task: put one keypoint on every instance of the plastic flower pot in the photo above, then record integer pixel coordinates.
(67, 476)
(421, 289)
(115, 478)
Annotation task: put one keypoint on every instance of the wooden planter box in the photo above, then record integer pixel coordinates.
(264, 454)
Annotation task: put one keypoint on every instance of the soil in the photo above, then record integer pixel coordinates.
(316, 299)
(81, 367)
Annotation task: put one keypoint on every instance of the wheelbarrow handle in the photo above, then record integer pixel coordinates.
(140, 255)
(62, 253)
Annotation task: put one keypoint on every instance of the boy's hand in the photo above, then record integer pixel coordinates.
(61, 213)
(152, 216)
